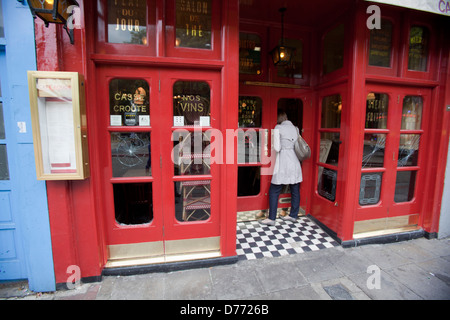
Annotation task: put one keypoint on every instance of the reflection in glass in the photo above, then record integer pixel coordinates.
(191, 152)
(192, 200)
(127, 22)
(249, 53)
(2, 30)
(249, 146)
(370, 188)
(419, 38)
(191, 102)
(131, 155)
(373, 152)
(408, 151)
(250, 112)
(329, 147)
(193, 24)
(129, 102)
(133, 203)
(333, 49)
(293, 109)
(376, 111)
(412, 113)
(2, 122)
(295, 68)
(327, 183)
(4, 169)
(331, 111)
(380, 45)
(249, 181)
(404, 186)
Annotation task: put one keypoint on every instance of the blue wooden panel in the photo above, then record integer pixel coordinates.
(8, 246)
(5, 207)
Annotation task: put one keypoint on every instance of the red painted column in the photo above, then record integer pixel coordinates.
(75, 238)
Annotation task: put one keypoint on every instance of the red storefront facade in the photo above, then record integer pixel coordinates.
(159, 74)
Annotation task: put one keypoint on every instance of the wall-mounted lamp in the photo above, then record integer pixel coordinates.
(54, 11)
(282, 55)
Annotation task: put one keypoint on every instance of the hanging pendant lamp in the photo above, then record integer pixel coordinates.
(282, 55)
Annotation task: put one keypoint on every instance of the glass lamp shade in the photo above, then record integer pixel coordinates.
(281, 55)
(52, 11)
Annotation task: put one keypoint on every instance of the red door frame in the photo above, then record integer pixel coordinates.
(270, 97)
(174, 229)
(259, 201)
(387, 207)
(162, 179)
(326, 211)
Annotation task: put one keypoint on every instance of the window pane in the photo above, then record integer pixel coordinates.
(412, 113)
(2, 122)
(408, 152)
(376, 111)
(1, 86)
(250, 112)
(192, 200)
(4, 170)
(333, 49)
(370, 188)
(327, 183)
(191, 152)
(130, 153)
(2, 31)
(133, 203)
(404, 186)
(293, 109)
(129, 102)
(419, 38)
(295, 68)
(127, 21)
(249, 181)
(380, 45)
(249, 145)
(193, 24)
(329, 147)
(191, 103)
(373, 152)
(249, 53)
(331, 111)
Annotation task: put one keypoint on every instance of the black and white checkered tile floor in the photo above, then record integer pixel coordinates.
(256, 241)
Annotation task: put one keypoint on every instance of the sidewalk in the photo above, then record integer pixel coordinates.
(416, 269)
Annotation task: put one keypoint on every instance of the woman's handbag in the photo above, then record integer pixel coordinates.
(301, 148)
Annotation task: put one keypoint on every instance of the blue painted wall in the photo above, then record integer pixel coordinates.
(25, 242)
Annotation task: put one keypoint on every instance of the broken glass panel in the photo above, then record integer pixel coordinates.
(373, 152)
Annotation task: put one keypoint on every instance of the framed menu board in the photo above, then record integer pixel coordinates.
(59, 125)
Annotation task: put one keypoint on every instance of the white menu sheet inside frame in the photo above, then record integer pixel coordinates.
(60, 135)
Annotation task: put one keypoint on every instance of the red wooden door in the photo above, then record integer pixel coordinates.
(158, 185)
(291, 102)
(257, 118)
(329, 156)
(394, 157)
(253, 150)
